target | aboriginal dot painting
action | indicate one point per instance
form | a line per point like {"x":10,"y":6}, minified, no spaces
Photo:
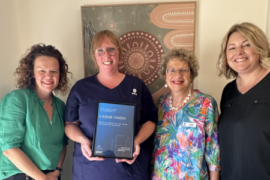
{"x":146,"y":32}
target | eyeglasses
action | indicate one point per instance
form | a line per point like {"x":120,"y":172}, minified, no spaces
{"x":111,"y":50}
{"x":182,"y":71}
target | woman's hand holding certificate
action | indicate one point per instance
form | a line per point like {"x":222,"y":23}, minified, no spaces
{"x":86,"y":145}
{"x":136,"y":153}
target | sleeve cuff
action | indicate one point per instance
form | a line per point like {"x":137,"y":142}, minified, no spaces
{"x":214,"y":168}
{"x":9,"y":146}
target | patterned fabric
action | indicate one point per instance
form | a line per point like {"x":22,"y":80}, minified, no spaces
{"x":186,"y":141}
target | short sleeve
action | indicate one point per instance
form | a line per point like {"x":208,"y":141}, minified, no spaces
{"x":72,"y":106}
{"x":12,"y":121}
{"x":149,"y":110}
{"x":212,"y":155}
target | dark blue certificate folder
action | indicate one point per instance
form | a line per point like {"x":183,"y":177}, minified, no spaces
{"x":114,"y":132}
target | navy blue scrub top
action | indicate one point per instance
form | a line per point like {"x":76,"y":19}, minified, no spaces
{"x":82,"y":105}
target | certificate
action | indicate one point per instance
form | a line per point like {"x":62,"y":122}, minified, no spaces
{"x":114,"y":130}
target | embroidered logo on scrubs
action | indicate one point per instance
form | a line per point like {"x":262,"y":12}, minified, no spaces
{"x":134,"y":92}
{"x":186,"y":124}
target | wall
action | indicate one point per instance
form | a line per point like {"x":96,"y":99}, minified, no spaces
{"x":268,"y":22}
{"x":24,"y":23}
{"x":9,"y":46}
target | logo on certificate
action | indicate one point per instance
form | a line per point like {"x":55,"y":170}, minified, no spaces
{"x":99,"y":149}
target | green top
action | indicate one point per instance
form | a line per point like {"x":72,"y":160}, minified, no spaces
{"x":24,"y":123}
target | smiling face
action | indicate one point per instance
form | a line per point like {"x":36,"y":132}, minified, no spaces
{"x":107,"y":63}
{"x":46,"y":73}
{"x":240,"y":55}
{"x":178,"y":82}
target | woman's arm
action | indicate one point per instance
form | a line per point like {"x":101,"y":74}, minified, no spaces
{"x":145,"y":132}
{"x":74,"y":132}
{"x":212,"y":144}
{"x":23,"y":163}
{"x":62,"y":157}
{"x":214,"y":175}
{"x":12,"y":119}
{"x":60,"y":163}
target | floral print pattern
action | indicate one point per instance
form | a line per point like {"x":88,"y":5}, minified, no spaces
{"x":186,"y":142}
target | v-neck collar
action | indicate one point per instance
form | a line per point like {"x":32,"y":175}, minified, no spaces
{"x":116,"y":87}
{"x":34,"y":94}
{"x":254,"y":87}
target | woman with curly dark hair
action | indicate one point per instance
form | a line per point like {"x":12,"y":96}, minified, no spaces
{"x":32,"y":139}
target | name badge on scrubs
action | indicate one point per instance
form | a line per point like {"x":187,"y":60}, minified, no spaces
{"x":187,"y":124}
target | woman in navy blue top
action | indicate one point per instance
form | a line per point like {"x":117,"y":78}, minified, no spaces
{"x":109,"y":85}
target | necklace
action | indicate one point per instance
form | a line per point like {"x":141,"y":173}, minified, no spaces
{"x":184,"y":102}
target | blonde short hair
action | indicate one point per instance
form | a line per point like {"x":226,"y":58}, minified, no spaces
{"x":98,"y":38}
{"x":258,"y":42}
{"x":183,"y":55}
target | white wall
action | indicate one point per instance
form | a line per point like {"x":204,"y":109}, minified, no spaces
{"x":24,"y":23}
{"x":268,"y":21}
{"x":9,"y":46}
{"x":215,"y":17}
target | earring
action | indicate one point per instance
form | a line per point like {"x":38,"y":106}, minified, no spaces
{"x":166,"y":85}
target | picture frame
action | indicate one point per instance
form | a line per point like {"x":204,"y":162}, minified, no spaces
{"x":114,"y":130}
{"x":146,"y":31}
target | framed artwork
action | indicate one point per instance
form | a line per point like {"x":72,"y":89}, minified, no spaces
{"x":146,"y":32}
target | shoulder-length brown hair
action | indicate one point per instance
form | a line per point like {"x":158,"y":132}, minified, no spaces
{"x":25,"y":70}
{"x":258,"y":42}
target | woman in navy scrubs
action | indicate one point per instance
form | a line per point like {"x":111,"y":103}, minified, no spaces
{"x":109,"y":85}
{"x":244,"y":124}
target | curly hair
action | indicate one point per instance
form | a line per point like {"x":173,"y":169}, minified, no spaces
{"x":25,"y":70}
{"x":183,"y":55}
{"x":258,"y":42}
{"x":98,"y":38}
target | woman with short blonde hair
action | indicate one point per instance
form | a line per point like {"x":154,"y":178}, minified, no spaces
{"x":244,"y":121}
{"x":81,"y":111}
{"x":258,"y":41}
